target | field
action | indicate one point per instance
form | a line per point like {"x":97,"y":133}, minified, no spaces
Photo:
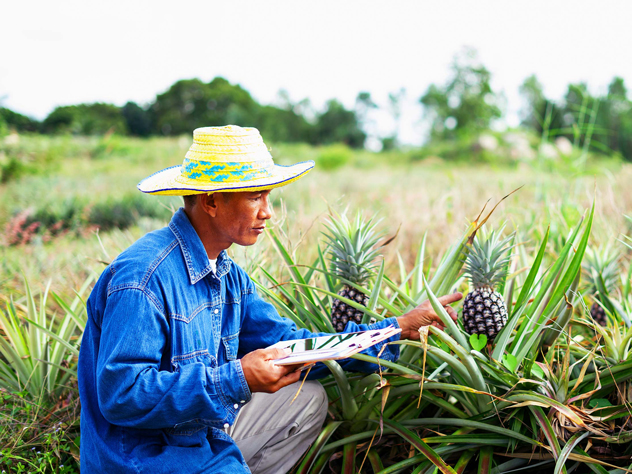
{"x":69,"y":205}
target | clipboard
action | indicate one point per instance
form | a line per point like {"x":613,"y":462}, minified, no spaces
{"x":331,"y":347}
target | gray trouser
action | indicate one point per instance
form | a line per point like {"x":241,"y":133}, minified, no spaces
{"x":272,"y":434}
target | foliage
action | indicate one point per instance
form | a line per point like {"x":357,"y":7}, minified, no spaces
{"x":39,"y":350}
{"x":598,"y":123}
{"x":333,"y":157}
{"x":137,"y":120}
{"x":18,"y":122}
{"x":191,"y":102}
{"x":338,"y":125}
{"x":37,"y":438}
{"x":536,"y":389}
{"x":85,"y":119}
{"x":124,"y":211}
{"x":39,"y":420}
{"x":466,"y":104}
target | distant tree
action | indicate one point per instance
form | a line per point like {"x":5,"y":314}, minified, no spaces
{"x":539,"y":113}
{"x":338,"y":125}
{"x":85,"y":119}
{"x":18,"y":122}
{"x":466,"y":104}
{"x":137,"y":120}
{"x":395,"y":102}
{"x":191,"y":103}
{"x":283,"y":123}
{"x":618,"y":108}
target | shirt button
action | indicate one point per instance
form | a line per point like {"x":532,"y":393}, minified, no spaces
{"x":216,"y":311}
{"x":226,"y":426}
{"x":243,"y":401}
{"x":236,"y":406}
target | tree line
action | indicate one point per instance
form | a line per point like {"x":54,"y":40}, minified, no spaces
{"x":465,"y":106}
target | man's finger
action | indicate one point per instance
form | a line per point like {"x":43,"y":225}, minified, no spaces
{"x":452,"y":312}
{"x":273,"y":354}
{"x":448,"y":299}
{"x":290,"y":378}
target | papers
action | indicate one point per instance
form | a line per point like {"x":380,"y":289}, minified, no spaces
{"x":331,"y":347}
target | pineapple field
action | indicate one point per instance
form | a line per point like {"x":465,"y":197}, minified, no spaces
{"x":535,"y":374}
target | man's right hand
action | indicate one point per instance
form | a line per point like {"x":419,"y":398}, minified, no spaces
{"x":263,"y":375}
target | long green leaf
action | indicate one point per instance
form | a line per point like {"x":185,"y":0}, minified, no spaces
{"x":503,"y":338}
{"x":568,"y":449}
{"x":426,"y":450}
{"x":316,"y":448}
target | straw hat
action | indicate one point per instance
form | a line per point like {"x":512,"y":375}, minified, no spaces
{"x":228,"y":158}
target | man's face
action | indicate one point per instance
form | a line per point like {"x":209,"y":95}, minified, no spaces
{"x":241,"y":217}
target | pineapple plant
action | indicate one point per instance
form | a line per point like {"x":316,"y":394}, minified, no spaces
{"x":351,"y":253}
{"x":601,"y":267}
{"x":484,"y":310}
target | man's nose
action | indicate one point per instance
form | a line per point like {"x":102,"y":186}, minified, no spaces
{"x":266,"y":209}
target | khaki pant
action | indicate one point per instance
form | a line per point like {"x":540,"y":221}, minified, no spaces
{"x":273,"y":434}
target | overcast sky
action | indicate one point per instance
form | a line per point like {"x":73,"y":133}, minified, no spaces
{"x":67,"y":52}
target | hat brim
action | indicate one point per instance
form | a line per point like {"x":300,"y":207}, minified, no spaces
{"x":166,"y":182}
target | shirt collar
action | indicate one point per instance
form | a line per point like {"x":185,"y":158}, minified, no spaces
{"x":195,"y":257}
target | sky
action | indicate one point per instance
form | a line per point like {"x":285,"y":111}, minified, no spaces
{"x":69,"y":52}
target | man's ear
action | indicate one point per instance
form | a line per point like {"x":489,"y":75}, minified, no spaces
{"x":208,"y":203}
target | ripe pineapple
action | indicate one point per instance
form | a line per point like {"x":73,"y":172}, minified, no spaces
{"x":602,"y":264}
{"x":352,"y":250}
{"x":484,"y":310}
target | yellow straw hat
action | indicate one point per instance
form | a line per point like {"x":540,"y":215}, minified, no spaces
{"x":228,"y":158}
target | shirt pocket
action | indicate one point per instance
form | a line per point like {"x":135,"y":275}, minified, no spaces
{"x":195,"y":335}
{"x":231,"y":346}
{"x":202,"y":356}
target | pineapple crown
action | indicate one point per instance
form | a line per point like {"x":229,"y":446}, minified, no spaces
{"x":487,"y":261}
{"x":601,"y":264}
{"x":352,"y":246}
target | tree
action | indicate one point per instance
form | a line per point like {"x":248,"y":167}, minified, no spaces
{"x":85,"y":119}
{"x":466,"y":104}
{"x":18,"y":122}
{"x":338,"y":125}
{"x":539,"y":113}
{"x":137,"y":120}
{"x":191,"y":103}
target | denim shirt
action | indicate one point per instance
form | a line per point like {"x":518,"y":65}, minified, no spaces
{"x":160,"y":377}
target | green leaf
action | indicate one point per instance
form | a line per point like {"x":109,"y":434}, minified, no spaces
{"x":485,"y":460}
{"x":510,"y":361}
{"x":316,"y":448}
{"x":478,"y":341}
{"x":416,"y":441}
{"x":568,"y":449}
{"x":599,"y":403}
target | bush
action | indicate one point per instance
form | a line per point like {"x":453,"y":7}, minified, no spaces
{"x":124,"y":211}
{"x":333,"y":157}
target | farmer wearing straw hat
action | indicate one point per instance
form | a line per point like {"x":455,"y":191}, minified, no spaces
{"x":173,"y":370}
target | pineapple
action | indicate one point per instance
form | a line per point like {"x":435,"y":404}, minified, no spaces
{"x":484,"y":311}
{"x":601,"y":265}
{"x":352,"y":250}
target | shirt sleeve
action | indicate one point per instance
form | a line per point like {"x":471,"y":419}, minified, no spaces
{"x":134,"y":392}
{"x":262,"y":326}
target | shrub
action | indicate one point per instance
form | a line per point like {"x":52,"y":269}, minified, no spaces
{"x":124,"y":211}
{"x":333,"y":157}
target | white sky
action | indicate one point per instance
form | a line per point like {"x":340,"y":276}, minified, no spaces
{"x":67,"y":52}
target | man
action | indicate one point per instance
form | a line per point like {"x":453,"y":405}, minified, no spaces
{"x":173,"y":371}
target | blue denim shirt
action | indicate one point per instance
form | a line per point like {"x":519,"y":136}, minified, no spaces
{"x":159,"y":372}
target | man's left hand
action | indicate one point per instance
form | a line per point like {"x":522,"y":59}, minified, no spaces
{"x":425,"y":315}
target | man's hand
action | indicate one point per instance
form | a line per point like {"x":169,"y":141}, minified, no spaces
{"x":424,"y":315}
{"x":263,"y":375}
